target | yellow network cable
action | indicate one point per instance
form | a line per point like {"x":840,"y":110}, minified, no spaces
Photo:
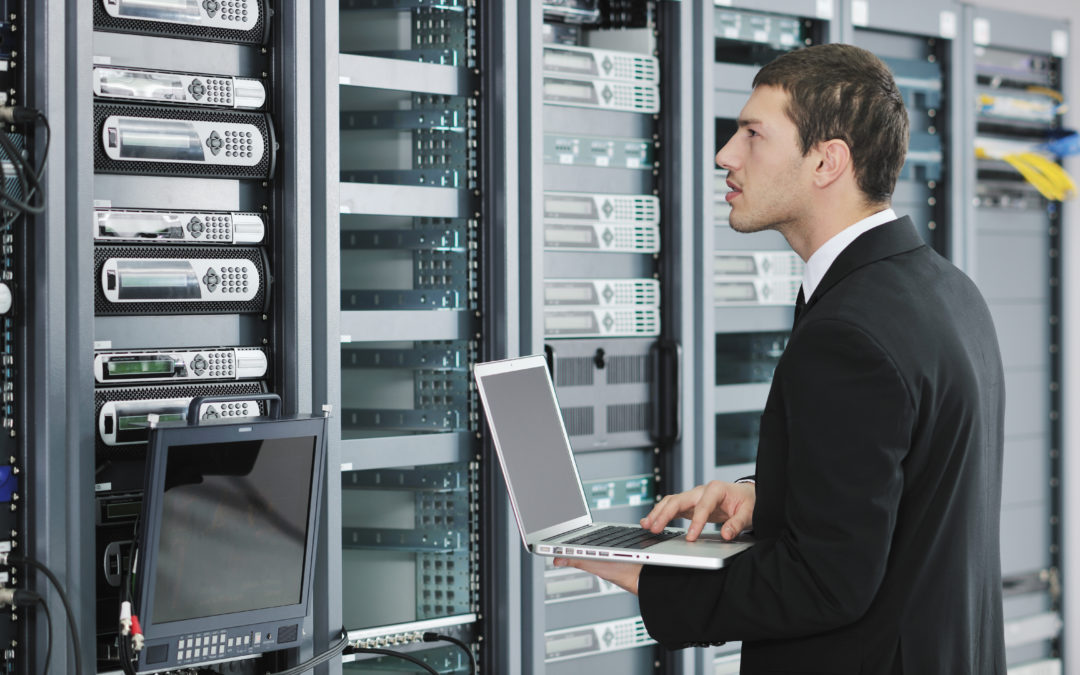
{"x":1055,"y":172}
{"x":1047,"y":91}
{"x":1048,"y":177}
{"x":1043,"y":184}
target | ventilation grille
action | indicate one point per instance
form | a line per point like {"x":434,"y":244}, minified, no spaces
{"x":628,"y":369}
{"x":575,"y":371}
{"x":579,"y":421}
{"x":627,"y":417}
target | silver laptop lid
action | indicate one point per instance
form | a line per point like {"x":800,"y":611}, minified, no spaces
{"x":533,"y":448}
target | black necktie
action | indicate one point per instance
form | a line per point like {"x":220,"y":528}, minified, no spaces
{"x":800,"y":305}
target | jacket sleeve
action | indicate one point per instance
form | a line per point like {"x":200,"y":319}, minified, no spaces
{"x":845,"y":420}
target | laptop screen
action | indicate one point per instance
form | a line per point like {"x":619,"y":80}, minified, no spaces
{"x":539,"y":466}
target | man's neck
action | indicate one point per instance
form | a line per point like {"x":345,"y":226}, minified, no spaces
{"x":824,"y":224}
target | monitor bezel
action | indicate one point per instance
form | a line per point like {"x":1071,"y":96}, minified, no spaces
{"x":167,"y":435}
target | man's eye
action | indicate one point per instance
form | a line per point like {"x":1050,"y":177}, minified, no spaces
{"x":751,"y":132}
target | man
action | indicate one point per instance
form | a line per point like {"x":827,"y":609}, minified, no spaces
{"x":878,"y":487}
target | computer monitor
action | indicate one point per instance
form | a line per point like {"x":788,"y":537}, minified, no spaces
{"x":227,"y":539}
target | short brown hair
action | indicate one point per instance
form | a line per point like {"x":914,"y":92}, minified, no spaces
{"x":845,"y":92}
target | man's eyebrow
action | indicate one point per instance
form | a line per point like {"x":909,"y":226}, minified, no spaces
{"x":745,"y":122}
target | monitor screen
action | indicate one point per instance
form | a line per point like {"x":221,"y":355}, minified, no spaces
{"x":227,"y":539}
{"x":538,"y":462}
{"x":233,"y":527}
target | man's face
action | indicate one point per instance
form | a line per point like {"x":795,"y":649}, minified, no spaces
{"x":767,"y":173}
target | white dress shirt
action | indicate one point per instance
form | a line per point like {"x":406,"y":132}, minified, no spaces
{"x":822,"y":259}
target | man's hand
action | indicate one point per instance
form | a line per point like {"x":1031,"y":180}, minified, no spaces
{"x":715,"y":502}
{"x":622,"y":574}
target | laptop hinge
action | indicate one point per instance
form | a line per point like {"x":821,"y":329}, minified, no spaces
{"x":563,"y":534}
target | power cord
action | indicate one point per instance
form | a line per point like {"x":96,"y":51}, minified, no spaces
{"x":19,"y":560}
{"x":436,"y":637}
{"x":20,"y":596}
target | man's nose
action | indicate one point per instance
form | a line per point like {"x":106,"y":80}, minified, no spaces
{"x":724,"y":157}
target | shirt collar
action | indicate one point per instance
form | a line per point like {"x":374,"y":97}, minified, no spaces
{"x":822,"y":259}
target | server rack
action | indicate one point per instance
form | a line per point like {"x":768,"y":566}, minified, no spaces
{"x":750,"y":281}
{"x":917,"y":46}
{"x":400,"y":314}
{"x":94,"y":72}
{"x":606,"y":287}
{"x":1013,"y":88}
{"x":17,"y":244}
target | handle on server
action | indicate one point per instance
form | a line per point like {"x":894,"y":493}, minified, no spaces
{"x":273,"y":404}
{"x":665,"y":359}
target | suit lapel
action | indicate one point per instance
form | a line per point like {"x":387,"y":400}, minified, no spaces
{"x":884,"y":241}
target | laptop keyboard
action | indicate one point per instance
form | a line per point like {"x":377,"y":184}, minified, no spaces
{"x":616,"y":536}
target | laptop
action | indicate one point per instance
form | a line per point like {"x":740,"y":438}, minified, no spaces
{"x":545,"y":490}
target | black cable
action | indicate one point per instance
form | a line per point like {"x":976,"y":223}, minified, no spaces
{"x":18,"y":164}
{"x":388,"y":652}
{"x":20,"y":597}
{"x":336,"y":650}
{"x":48,"y":635}
{"x":29,"y":181}
{"x":63,"y":598}
{"x":29,"y":178}
{"x":435,"y":637}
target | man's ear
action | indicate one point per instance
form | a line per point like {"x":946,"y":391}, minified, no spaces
{"x":833,"y":161}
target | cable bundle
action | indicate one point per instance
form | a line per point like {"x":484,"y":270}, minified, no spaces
{"x":1048,"y":177}
{"x":28,"y":178}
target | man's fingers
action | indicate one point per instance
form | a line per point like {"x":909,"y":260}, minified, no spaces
{"x":732,"y":528}
{"x":739,"y":521}
{"x":702,"y":512}
{"x":661,"y":514}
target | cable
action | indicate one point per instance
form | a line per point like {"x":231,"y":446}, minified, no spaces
{"x":336,"y":650}
{"x":1054,"y":171}
{"x":63,"y":598}
{"x":48,"y":636}
{"x":29,"y":178}
{"x":21,"y":596}
{"x":124,"y":641}
{"x":435,"y":637}
{"x":1048,"y":177}
{"x":400,"y":655}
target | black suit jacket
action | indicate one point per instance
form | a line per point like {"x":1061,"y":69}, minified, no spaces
{"x":878,"y":485}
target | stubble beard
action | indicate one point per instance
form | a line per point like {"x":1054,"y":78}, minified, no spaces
{"x":748,"y":225}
